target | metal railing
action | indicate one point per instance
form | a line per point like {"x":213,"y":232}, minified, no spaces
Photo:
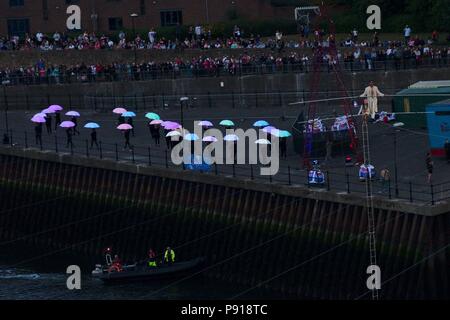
{"x":160,"y":156}
{"x":127,"y":73}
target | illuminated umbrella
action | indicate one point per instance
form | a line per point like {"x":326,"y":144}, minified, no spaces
{"x":119,"y":110}
{"x":260,"y":124}
{"x":173,"y":134}
{"x":92,"y":125}
{"x":269,"y":129}
{"x":67,"y":124}
{"x":191,"y":137}
{"x":209,"y":139}
{"x":262,"y":141}
{"x":231,"y":137}
{"x":152,"y":116}
{"x":55,"y":107}
{"x":38,"y":119}
{"x":47,"y":111}
{"x":227,"y":123}
{"x":124,"y":126}
{"x":205,"y":124}
{"x":283,"y":134}
{"x":72,"y":114}
{"x":41,"y":114}
{"x":153,"y":122}
{"x":128,"y":114}
{"x":170,"y":125}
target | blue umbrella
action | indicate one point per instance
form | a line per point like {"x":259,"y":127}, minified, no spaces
{"x":283,"y":134}
{"x":191,"y":137}
{"x":92,"y":125}
{"x":261,"y":123}
{"x":128,"y":114}
{"x":227,"y":123}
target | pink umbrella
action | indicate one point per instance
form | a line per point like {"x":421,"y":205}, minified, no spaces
{"x":125,"y":126}
{"x":170,"y":125}
{"x":205,"y":124}
{"x":156,"y":122}
{"x":209,"y":139}
{"x":55,"y":107}
{"x":67,"y":124}
{"x":119,"y":110}
{"x":38,"y":119}
{"x":72,"y":114}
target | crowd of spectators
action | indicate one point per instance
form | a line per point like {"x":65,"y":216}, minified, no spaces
{"x":357,"y":54}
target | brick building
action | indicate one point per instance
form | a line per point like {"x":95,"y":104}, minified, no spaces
{"x":22,"y":16}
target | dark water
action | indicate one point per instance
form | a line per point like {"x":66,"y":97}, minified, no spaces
{"x":23,"y":276}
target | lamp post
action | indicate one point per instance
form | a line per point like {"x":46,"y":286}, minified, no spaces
{"x":134,"y":16}
{"x":6,"y":110}
{"x":395,"y":126}
{"x":182,"y":99}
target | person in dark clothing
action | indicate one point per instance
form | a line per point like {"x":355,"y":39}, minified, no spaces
{"x":120,"y":120}
{"x":156,"y":136}
{"x":75,"y":130}
{"x":94,"y":139}
{"x":69,"y":135}
{"x":130,"y":122}
{"x":447,"y":150}
{"x":48,"y":123}
{"x":5,"y":138}
{"x":38,"y":133}
{"x":127,"y":139}
{"x":283,"y":147}
{"x":57,"y":119}
{"x":430,"y":164}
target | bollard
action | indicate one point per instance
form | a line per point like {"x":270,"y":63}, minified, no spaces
{"x":10,"y":137}
{"x":215,"y":168}
{"x":132,"y":154}
{"x":101,"y":150}
{"x":117,"y":153}
{"x":289,"y":175}
{"x":234,"y":171}
{"x":348,"y":183}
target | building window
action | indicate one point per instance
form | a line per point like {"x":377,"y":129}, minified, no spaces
{"x":142,"y":7}
{"x":18,"y":27}
{"x":16,"y":3}
{"x":115,"y":24}
{"x":171,"y":18}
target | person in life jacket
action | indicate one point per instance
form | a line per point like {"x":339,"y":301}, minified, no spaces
{"x":169,"y":256}
{"x":151,"y":258}
{"x":116,"y":265}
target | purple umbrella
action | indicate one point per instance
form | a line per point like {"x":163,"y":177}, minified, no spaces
{"x":205,"y":124}
{"x":170,"y":125}
{"x":156,"y":122}
{"x":38,"y":119}
{"x":209,"y":139}
{"x":269,"y":129}
{"x":41,"y":114}
{"x":67,"y":124}
{"x":47,"y":111}
{"x":55,"y":107}
{"x":125,"y":126}
{"x":72,"y":114}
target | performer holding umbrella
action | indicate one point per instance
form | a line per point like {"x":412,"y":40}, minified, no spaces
{"x":93,"y":126}
{"x":126,"y":128}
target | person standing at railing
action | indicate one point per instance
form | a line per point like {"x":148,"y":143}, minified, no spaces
{"x":48,"y":124}
{"x":57,"y":119}
{"x":38,"y":133}
{"x":126,"y":134}
{"x":75,"y":130}
{"x":94,"y":139}
{"x":69,"y":135}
